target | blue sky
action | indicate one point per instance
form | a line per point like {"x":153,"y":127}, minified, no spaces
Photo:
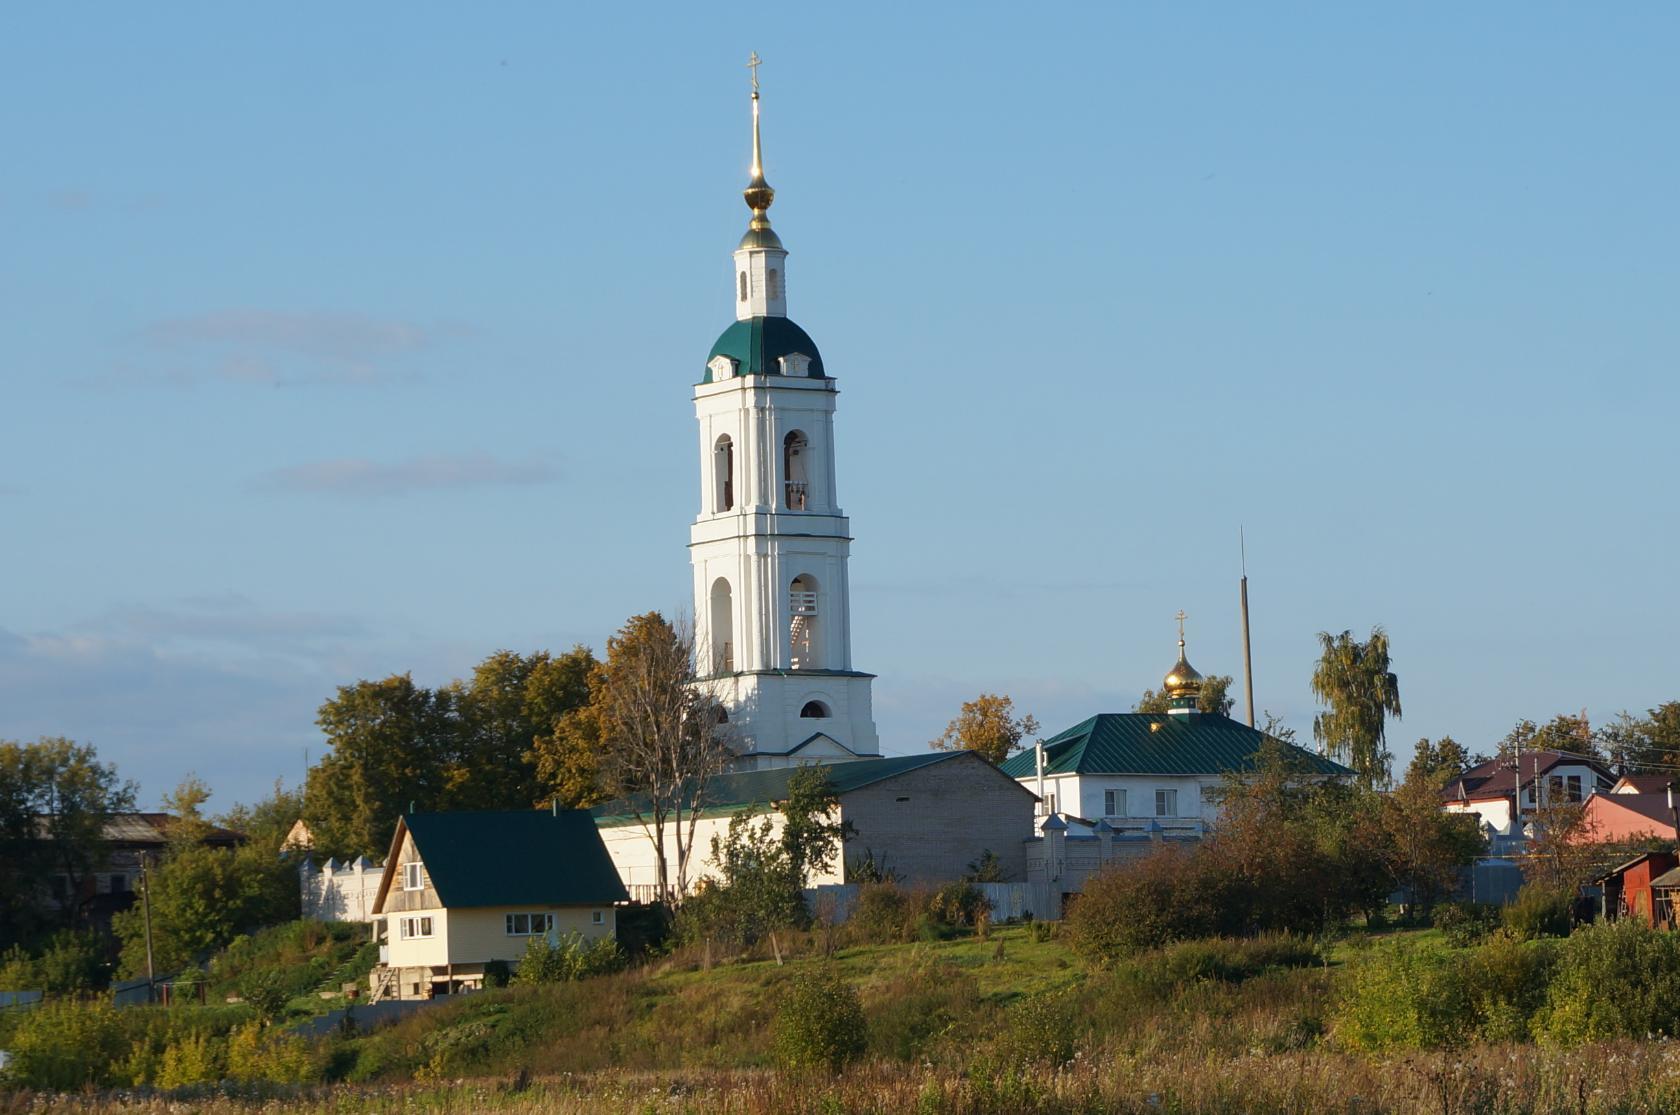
{"x":338,"y":341}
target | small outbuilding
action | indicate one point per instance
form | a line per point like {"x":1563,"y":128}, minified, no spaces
{"x":463,"y":890}
{"x":1628,"y":887}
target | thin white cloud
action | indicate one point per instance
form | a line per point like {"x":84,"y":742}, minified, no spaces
{"x":358,"y":476}
{"x":277,"y":348}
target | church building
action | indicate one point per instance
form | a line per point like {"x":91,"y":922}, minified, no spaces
{"x":769,"y":548}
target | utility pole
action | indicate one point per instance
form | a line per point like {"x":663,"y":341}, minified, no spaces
{"x":146,"y":909}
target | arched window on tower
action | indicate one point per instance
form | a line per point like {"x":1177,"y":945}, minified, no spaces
{"x":722,"y":622}
{"x":723,"y":466}
{"x":814,"y":710}
{"x":773,"y":284}
{"x":804,"y":630}
{"x":743,"y":286}
{"x":795,"y":452}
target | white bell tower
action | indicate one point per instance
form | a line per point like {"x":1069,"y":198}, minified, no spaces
{"x":769,"y":548}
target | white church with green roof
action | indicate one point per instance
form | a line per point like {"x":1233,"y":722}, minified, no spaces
{"x":769,"y":548}
{"x":1124,"y":775}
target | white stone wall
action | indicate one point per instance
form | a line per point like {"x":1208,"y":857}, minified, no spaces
{"x":339,"y":892}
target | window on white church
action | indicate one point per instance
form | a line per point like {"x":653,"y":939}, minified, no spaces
{"x":1166,"y":803}
{"x":743,"y":286}
{"x":795,"y":449}
{"x":805,"y":644}
{"x":814,"y":710}
{"x":529,"y":925}
{"x":411,"y":876}
{"x":1114,"y":803}
{"x":724,"y":466}
{"x":773,"y":283}
{"x":723,"y":627}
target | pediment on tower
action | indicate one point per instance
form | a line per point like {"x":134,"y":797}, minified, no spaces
{"x":721,"y":367}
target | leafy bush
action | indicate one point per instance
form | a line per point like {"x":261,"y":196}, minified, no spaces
{"x":1403,"y":997}
{"x":1540,"y":911}
{"x":1044,"y":1028}
{"x":497,"y":973}
{"x":821,"y":1023}
{"x":1230,"y":960}
{"x":257,"y":1053}
{"x":572,"y":957}
{"x":195,"y":1058}
{"x":1507,"y":980}
{"x":266,"y":995}
{"x":882,"y":915}
{"x":1131,"y":907}
{"x":1615,"y":980}
{"x":957,"y":905}
{"x":66,"y":1045}
{"x":1466,"y":923}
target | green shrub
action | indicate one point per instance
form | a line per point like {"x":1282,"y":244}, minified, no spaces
{"x":195,"y":1058}
{"x":65,"y":1045}
{"x":1127,"y":908}
{"x":1540,"y":911}
{"x":257,"y":1053}
{"x":1403,"y":997}
{"x":1506,"y":979}
{"x":1229,"y":960}
{"x":1615,"y":980}
{"x":1044,"y":1028}
{"x":1466,"y":923}
{"x":497,"y":973}
{"x":882,"y":915}
{"x":266,"y":995}
{"x":957,"y":905}
{"x":571,"y":957}
{"x":820,"y":1024}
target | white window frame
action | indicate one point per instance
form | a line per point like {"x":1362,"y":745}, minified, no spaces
{"x":413,"y":876}
{"x":525,"y":924}
{"x":1166,"y":802}
{"x":597,"y":917}
{"x":1114,"y":802}
{"x":415,"y":928}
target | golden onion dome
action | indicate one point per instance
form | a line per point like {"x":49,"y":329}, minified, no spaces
{"x":1182,"y":680}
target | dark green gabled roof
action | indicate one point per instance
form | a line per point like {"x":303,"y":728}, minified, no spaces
{"x":763,"y":787}
{"x":520,"y":857}
{"x":1157,"y":743}
{"x":759,"y":342}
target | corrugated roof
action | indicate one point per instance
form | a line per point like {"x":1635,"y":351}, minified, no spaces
{"x":516,"y":857}
{"x":1497,"y":778}
{"x":763,"y":787}
{"x":1156,"y":743}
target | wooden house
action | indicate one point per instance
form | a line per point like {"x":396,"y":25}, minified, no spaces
{"x":463,"y":890}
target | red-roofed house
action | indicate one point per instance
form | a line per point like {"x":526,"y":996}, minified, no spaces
{"x":1641,"y":784}
{"x":1616,"y":818}
{"x":1490,"y":789}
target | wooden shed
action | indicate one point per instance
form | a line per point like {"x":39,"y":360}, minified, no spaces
{"x":1628,"y":886}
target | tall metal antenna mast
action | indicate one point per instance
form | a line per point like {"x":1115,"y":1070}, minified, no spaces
{"x":1248,"y":655}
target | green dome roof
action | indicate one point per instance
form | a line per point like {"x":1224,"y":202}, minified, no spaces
{"x":759,"y":342}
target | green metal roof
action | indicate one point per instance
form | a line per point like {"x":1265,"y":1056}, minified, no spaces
{"x":763,"y":787}
{"x":759,"y":342}
{"x":1156,"y":743}
{"x":520,"y":857}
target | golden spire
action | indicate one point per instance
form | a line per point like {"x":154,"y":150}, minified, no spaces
{"x":758,"y":193}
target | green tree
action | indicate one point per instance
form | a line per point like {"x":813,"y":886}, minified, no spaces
{"x":987,"y":726}
{"x":811,"y":835}
{"x":1651,"y":743}
{"x":510,"y":706}
{"x":55,"y":797}
{"x":1214,"y":698}
{"x":1442,"y":760}
{"x":1356,"y":683}
{"x":201,"y":898}
{"x":1426,"y":847}
{"x":661,"y":737}
{"x":392,"y":744}
{"x":1562,"y":733}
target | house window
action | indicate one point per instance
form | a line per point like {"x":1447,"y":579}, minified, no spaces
{"x":1114,"y":803}
{"x":1050,"y":804}
{"x":598,"y":917}
{"x":529,"y":925}
{"x":119,"y":884}
{"x":413,"y":928}
{"x":1166,"y":803}
{"x":411,"y":876}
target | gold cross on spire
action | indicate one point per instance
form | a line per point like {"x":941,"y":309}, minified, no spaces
{"x":1181,"y":618}
{"x":753,"y":64}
